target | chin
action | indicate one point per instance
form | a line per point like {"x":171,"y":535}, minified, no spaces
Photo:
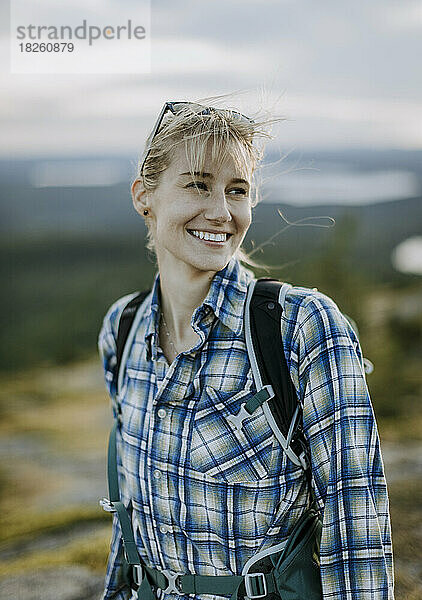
{"x":210,"y":263}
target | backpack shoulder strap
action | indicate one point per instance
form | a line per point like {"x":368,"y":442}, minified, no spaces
{"x":125,"y":325}
{"x":114,"y":504}
{"x":263,"y":310}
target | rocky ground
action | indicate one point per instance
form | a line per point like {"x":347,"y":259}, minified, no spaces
{"x":65,"y":583}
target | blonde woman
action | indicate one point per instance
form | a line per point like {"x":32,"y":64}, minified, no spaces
{"x":201,"y":502}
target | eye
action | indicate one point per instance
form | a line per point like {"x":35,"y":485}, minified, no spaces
{"x":239,"y":191}
{"x":200,"y":185}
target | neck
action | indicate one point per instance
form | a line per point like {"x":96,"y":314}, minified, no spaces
{"x":182,"y":290}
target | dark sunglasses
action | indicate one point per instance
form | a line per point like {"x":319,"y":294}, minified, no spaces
{"x":176,"y":107}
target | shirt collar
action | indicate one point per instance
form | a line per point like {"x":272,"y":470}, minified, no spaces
{"x":227,"y":294}
{"x":226,"y":298}
{"x":153,"y":318}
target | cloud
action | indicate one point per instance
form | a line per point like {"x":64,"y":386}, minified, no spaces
{"x":403,"y":17}
{"x":340,"y":72}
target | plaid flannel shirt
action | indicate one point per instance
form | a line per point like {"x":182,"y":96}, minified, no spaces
{"x":205,"y":497}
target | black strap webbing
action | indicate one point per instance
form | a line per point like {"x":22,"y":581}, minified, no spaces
{"x":265,"y":320}
{"x":125,"y":323}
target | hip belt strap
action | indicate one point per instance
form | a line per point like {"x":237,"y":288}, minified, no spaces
{"x":253,"y":585}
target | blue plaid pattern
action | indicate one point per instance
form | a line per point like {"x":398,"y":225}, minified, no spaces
{"x":205,"y":497}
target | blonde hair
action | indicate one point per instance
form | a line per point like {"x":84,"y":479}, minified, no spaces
{"x":226,"y":130}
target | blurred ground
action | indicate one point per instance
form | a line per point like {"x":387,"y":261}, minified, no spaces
{"x":53,"y":436}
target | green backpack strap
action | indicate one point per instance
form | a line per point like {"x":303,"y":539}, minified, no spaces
{"x":129,"y":543}
{"x":129,"y":320}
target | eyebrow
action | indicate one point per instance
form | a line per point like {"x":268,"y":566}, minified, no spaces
{"x":211,"y":176}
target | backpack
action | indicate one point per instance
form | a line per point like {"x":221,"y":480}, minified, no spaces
{"x":278,"y":398}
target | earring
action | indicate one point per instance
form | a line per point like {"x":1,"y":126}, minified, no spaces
{"x":145,"y":211}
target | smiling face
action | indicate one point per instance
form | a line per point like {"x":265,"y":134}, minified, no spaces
{"x":197,"y":223}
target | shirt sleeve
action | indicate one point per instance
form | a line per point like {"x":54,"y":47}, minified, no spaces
{"x":356,"y":550}
{"x":115,"y":587}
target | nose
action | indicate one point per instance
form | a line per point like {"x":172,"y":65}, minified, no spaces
{"x":217,"y":208}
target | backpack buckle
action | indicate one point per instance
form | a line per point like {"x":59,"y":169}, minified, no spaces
{"x":263,"y":395}
{"x":237,"y":420}
{"x":172,"y":586}
{"x":107,"y":505}
{"x":259,"y":584}
{"x":138,"y":574}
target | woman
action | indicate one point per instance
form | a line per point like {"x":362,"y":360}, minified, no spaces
{"x":197,"y":505}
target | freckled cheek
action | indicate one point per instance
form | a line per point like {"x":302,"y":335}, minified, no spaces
{"x":182,"y":214}
{"x":245,"y":221}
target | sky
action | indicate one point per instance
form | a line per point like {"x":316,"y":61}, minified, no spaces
{"x":343,"y":74}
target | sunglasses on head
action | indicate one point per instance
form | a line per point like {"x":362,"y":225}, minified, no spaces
{"x":175,"y":108}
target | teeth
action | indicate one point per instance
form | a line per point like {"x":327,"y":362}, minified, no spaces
{"x":212,"y":237}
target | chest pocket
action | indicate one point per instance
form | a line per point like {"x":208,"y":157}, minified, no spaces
{"x":224,"y":451}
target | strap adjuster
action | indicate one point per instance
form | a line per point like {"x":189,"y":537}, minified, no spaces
{"x":138,"y":574}
{"x":107,"y":505}
{"x":259,"y":583}
{"x":172,"y":585}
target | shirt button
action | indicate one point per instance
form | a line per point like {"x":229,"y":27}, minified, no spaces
{"x":157,"y":474}
{"x":162,"y":413}
{"x":164,"y":529}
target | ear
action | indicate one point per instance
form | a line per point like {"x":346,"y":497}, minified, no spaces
{"x":140,"y":197}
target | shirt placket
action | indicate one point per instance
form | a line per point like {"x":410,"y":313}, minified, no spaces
{"x":159,"y":451}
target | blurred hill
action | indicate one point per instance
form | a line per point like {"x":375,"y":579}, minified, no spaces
{"x":85,"y":194}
